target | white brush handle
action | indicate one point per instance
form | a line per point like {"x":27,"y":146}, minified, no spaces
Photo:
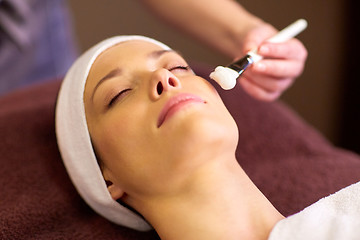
{"x":286,"y":34}
{"x":289,"y":32}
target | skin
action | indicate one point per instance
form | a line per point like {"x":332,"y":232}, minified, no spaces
{"x":185,"y":192}
{"x":234,"y":31}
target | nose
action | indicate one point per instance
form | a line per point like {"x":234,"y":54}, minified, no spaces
{"x":163,"y":80}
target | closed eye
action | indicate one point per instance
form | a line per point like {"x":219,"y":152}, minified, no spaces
{"x":118,"y":96}
{"x":186,"y":68}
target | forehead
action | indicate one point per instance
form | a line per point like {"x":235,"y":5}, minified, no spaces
{"x":123,"y":55}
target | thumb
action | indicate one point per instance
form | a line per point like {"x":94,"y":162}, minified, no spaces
{"x":257,"y":36}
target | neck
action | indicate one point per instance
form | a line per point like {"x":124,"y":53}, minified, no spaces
{"x":220,"y":202}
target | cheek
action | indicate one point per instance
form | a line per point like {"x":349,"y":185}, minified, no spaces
{"x":123,"y":142}
{"x":115,"y":150}
{"x":115,"y":137}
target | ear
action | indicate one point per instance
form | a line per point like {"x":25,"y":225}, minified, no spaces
{"x":115,"y":191}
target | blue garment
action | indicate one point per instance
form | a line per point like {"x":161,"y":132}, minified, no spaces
{"x":36,"y":42}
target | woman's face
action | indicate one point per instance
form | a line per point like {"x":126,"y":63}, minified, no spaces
{"x":151,"y":120}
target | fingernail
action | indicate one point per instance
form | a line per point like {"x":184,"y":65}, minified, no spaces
{"x":264,"y":50}
{"x":260,"y":67}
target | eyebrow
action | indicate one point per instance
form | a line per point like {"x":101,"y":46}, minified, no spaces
{"x":158,"y":53}
{"x":117,"y":71}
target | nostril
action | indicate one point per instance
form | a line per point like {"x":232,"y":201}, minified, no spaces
{"x":159,"y":88}
{"x":172,"y":82}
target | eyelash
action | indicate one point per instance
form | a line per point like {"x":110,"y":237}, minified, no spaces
{"x":180,"y":67}
{"x":113,"y":100}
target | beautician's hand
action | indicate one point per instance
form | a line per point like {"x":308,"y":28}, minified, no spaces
{"x":229,"y":28}
{"x":283,"y":62}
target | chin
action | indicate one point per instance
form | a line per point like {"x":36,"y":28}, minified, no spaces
{"x":203,"y":134}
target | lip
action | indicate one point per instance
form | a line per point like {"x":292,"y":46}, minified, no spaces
{"x":175,"y":104}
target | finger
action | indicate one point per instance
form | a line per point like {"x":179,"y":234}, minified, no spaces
{"x":257,"y":92}
{"x":278,"y":68}
{"x":291,"y":49}
{"x":257,"y":36}
{"x":270,"y":84}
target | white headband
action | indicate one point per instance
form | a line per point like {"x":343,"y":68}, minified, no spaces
{"x":74,"y":140}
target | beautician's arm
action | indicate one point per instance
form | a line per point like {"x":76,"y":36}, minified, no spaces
{"x":226,"y":26}
{"x":221,"y":24}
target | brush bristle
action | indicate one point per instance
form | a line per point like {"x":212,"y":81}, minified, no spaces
{"x":225,"y":77}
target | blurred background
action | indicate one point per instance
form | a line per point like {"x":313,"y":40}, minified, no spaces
{"x":326,"y":95}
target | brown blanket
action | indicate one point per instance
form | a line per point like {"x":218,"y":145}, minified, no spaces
{"x":291,"y":163}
